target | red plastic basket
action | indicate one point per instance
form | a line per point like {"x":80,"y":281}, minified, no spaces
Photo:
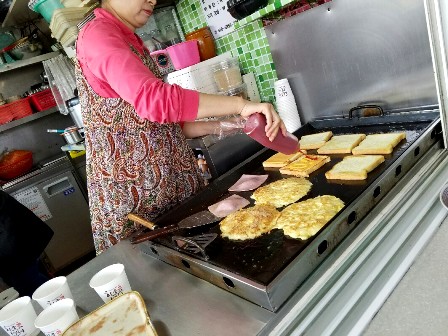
{"x":43,"y":100}
{"x":17,"y":109}
{"x":5,"y":115}
{"x":15,"y":163}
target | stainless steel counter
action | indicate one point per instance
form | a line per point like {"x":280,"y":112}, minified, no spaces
{"x":340,"y":298}
{"x":178,"y":303}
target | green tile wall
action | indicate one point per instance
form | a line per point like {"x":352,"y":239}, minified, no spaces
{"x":249,"y":43}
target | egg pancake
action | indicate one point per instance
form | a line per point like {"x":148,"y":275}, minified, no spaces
{"x":304,"y":219}
{"x":280,"y":160}
{"x":305,"y":165}
{"x":282,"y":192}
{"x":249,"y":223}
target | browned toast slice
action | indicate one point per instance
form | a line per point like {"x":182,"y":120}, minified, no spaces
{"x":305,"y":165}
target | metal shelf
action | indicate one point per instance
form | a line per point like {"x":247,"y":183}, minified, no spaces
{"x":29,"y":61}
{"x":19,"y":13}
{"x":27,"y":119}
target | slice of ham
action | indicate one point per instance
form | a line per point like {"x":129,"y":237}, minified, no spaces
{"x":228,"y":205}
{"x":248,"y":182}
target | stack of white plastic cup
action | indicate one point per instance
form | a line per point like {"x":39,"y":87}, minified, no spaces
{"x":18,"y":316}
{"x":56,"y":298}
{"x":57,"y":317}
{"x":52,"y":291}
{"x":286,"y":105}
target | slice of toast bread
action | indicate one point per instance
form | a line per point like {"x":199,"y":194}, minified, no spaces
{"x":379,"y":143}
{"x":314,"y":141}
{"x":354,"y":167}
{"x":341,"y":144}
{"x":305,"y":165}
{"x":280,"y":159}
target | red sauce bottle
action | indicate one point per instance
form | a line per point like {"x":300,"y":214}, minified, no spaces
{"x":255,"y":128}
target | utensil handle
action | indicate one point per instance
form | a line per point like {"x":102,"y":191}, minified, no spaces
{"x":142,"y":221}
{"x":154,"y":234}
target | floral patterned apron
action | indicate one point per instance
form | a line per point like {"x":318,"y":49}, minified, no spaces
{"x":133,"y":165}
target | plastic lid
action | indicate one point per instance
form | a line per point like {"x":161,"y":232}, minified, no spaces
{"x":226,"y":64}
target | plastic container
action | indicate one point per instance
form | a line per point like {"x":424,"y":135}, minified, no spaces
{"x":255,"y":128}
{"x":206,"y":41}
{"x":15,"y":163}
{"x":65,"y":18}
{"x":43,"y":100}
{"x":240,"y":91}
{"x":184,"y":54}
{"x":5,"y":115}
{"x":47,"y":7}
{"x":227,"y":74}
{"x":17,"y":109}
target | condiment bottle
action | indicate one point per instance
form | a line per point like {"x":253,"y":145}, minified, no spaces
{"x":255,"y":128}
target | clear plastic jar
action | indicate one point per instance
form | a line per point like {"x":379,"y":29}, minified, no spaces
{"x":227,"y":74}
{"x":240,"y":90}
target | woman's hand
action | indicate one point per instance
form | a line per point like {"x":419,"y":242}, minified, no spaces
{"x":273,"y":121}
{"x":219,"y":106}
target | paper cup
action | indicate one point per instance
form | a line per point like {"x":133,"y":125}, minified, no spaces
{"x":55,"y":319}
{"x":17,"y":317}
{"x":52,"y":291}
{"x":110,"y":282}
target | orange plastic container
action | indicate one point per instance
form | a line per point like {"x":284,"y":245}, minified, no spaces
{"x":206,"y":42}
{"x":15,"y":163}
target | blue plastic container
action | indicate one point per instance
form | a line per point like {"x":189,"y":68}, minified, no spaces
{"x":47,"y":7}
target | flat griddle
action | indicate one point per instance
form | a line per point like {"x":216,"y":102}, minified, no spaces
{"x":260,"y":260}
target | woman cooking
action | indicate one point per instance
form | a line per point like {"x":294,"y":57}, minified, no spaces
{"x":137,"y":157}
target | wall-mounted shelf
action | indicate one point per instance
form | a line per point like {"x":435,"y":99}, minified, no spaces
{"x":18,"y":14}
{"x":27,"y":119}
{"x":29,"y":61}
{"x":276,"y":5}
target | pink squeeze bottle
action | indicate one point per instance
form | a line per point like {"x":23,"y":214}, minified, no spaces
{"x":255,"y":128}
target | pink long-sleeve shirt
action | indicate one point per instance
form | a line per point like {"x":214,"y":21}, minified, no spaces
{"x":114,"y":71}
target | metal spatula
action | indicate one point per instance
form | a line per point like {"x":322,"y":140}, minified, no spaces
{"x":194,"y":244}
{"x":198,"y":219}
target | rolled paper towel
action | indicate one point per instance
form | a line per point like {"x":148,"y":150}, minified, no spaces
{"x":286,"y":105}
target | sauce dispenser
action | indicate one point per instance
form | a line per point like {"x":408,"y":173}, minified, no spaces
{"x":255,"y":128}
